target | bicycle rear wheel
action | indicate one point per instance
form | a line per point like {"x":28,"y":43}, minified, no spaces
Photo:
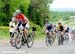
{"x":12,"y":39}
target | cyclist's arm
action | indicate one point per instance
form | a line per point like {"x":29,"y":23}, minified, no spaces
{"x":27,"y":20}
{"x":10,"y":25}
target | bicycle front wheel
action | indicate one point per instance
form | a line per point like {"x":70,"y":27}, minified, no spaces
{"x":30,"y":40}
{"x":18,"y":41}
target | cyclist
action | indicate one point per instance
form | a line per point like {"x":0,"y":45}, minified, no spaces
{"x":67,"y":29}
{"x":21,"y":19}
{"x":49,"y":29}
{"x":33,"y":30}
{"x":12,"y":27}
{"x":12,"y":30}
{"x":60,"y":28}
{"x":22,"y":23}
{"x":66,"y":34}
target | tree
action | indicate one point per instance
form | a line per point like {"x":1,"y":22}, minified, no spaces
{"x":8,"y":7}
{"x":39,"y":10}
{"x":35,"y":10}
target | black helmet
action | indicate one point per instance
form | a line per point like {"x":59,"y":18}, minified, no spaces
{"x":59,"y":23}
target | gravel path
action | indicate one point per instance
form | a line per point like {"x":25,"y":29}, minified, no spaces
{"x":39,"y":47}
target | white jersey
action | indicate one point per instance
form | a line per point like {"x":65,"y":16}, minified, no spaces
{"x":11,"y":29}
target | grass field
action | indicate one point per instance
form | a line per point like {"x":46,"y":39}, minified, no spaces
{"x":4,"y":34}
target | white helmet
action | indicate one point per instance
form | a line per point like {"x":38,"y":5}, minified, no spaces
{"x":18,"y":12}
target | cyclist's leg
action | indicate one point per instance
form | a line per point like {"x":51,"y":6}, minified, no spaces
{"x":62,"y":34}
{"x":62,"y":37}
{"x":54,"y":36}
{"x":50,"y":33}
{"x":10,"y":34}
{"x":19,"y":25}
{"x":26,"y":32}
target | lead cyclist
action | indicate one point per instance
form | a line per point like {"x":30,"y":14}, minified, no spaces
{"x":21,"y":21}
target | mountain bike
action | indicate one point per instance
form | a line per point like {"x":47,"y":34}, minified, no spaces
{"x":21,"y":39}
{"x":49,"y":39}
{"x":66,"y":37}
{"x":60,"y":38}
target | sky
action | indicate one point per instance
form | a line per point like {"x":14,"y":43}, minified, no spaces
{"x":63,"y":5}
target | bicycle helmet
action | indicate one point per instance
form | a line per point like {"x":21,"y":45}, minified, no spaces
{"x":17,"y":12}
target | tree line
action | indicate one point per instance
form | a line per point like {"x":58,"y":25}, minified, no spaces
{"x":58,"y":15}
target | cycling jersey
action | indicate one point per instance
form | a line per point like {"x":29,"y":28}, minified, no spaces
{"x":49,"y":26}
{"x":21,"y":17}
{"x":60,"y":28}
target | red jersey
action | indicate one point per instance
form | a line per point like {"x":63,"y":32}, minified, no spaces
{"x":21,"y":17}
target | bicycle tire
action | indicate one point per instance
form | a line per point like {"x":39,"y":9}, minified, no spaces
{"x":30,"y":36}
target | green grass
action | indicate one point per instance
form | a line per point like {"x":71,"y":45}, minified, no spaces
{"x":4,"y":34}
{"x":39,"y":35}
